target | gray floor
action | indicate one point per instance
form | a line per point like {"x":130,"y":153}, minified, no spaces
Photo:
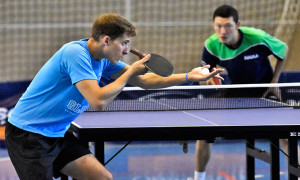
{"x":166,"y":161}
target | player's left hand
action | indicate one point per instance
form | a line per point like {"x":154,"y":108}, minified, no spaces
{"x":197,"y":74}
{"x":275,"y":91}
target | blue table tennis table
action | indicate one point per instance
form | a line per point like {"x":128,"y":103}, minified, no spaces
{"x":246,"y":123}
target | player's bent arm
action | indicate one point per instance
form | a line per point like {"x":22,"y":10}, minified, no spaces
{"x":153,"y":81}
{"x":99,"y":97}
{"x":279,"y":67}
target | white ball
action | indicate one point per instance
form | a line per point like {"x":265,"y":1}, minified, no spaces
{"x":205,"y":71}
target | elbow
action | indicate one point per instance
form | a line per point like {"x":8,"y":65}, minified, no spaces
{"x":286,"y":52}
{"x":144,"y":86}
{"x":141,"y":83}
{"x":99,"y":105}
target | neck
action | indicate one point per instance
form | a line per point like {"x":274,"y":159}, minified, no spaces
{"x":94,"y":47}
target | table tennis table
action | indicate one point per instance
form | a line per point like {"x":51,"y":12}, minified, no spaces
{"x":246,"y":123}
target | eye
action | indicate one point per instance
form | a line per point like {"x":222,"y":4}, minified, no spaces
{"x":228,"y":26}
{"x":218,"y":26}
{"x":125,"y":43}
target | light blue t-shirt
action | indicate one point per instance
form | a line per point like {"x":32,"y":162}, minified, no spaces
{"x":52,"y":101}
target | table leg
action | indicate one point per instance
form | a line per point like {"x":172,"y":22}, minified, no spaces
{"x":293,"y":169}
{"x":99,"y":151}
{"x":274,"y":164}
{"x":250,"y":160}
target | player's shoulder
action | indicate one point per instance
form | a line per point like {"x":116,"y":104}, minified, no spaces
{"x":253,"y":33}
{"x":75,"y":47}
{"x":254,"y":36}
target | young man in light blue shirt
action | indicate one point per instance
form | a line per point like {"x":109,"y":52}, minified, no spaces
{"x":37,"y":139}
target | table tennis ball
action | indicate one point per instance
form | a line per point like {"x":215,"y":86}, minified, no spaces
{"x":205,"y":71}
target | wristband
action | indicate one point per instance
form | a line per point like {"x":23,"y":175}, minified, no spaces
{"x":187,"y":81}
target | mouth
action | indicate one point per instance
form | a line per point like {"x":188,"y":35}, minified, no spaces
{"x":223,"y":38}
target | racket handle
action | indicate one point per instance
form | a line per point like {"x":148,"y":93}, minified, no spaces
{"x":137,"y":52}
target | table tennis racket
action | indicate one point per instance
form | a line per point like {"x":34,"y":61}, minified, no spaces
{"x":156,"y":64}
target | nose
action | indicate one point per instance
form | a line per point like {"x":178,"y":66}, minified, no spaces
{"x":223,"y":30}
{"x":126,"y":50}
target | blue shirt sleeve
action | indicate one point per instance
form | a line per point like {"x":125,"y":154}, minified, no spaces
{"x":76,"y":62}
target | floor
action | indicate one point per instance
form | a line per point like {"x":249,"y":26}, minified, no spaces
{"x":165,"y":160}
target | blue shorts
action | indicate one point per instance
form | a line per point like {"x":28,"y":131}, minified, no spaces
{"x":35,"y":156}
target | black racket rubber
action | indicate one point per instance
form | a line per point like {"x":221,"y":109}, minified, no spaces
{"x":159,"y":65}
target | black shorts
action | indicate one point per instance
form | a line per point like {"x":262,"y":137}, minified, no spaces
{"x":35,"y":156}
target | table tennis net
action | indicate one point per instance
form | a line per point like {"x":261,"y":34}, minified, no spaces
{"x":206,"y":97}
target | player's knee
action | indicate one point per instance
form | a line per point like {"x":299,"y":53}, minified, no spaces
{"x":110,"y":176}
{"x":106,"y":176}
{"x":100,"y":176}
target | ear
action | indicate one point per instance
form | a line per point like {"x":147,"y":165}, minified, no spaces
{"x":238,"y":24}
{"x":106,"y":40}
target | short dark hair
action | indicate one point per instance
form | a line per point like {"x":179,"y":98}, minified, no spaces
{"x":112,"y":25}
{"x":226,"y":11}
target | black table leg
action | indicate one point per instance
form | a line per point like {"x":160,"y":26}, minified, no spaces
{"x":275,"y":163}
{"x":250,"y":160}
{"x":293,"y":169}
{"x":99,"y":151}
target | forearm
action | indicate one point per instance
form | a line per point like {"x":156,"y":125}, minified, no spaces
{"x":98,"y":97}
{"x":277,"y":71}
{"x":110,"y":91}
{"x":279,"y":68}
{"x":113,"y":89}
{"x":153,"y":81}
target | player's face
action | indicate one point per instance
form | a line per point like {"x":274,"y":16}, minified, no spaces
{"x":118,"y":48}
{"x":226,"y":29}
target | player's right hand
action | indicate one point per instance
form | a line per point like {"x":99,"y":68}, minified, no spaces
{"x":138,"y":67}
